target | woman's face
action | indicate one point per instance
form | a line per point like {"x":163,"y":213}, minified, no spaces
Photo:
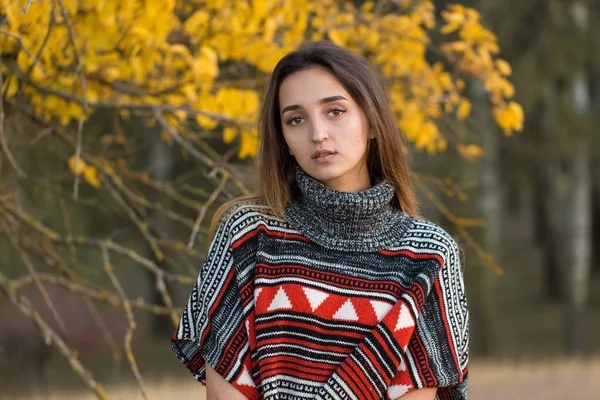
{"x":325,"y":130}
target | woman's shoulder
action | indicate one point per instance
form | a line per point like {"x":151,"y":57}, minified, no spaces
{"x":246,"y":211}
{"x":426,"y":234}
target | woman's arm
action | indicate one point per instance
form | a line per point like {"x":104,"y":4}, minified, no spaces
{"x":419,"y":394}
{"x":217,"y":388}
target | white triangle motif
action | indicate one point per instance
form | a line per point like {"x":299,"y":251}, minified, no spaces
{"x":396,"y":391}
{"x":280,"y":301}
{"x":381,"y":308}
{"x":315,"y":297}
{"x":256,"y":293}
{"x":402,"y":366}
{"x":404,"y":319}
{"x":245,"y":379}
{"x":346,"y":312}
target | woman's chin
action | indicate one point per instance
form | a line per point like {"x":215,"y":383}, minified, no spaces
{"x":325,"y":174}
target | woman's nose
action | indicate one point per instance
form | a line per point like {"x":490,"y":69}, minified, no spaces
{"x":319,"y":131}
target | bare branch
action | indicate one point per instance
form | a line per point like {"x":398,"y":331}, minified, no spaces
{"x":143,"y":107}
{"x":27,"y":6}
{"x":91,"y":294}
{"x":202,"y":212}
{"x":29,"y":265}
{"x":485,"y":256}
{"x":26,"y":309}
{"x":54,"y":236}
{"x":84,"y":103}
{"x":45,"y":41}
{"x":127,"y":306}
{"x":25,"y":49}
{"x":3,"y":143}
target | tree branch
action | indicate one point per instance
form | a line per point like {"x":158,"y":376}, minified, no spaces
{"x":27,"y":6}
{"x":84,"y":103}
{"x":25,"y":49}
{"x":3,"y":143}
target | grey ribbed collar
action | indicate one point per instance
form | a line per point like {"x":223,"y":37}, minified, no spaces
{"x":353,"y":221}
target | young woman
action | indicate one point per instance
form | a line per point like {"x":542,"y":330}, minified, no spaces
{"x":327,"y":285}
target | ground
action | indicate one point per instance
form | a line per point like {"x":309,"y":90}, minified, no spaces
{"x":549,"y":380}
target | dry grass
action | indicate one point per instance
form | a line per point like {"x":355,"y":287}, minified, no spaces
{"x":573,"y":380}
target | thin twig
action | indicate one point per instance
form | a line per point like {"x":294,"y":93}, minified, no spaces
{"x":79,"y":71}
{"x":144,"y":107}
{"x":87,"y":293}
{"x":483,"y":255}
{"x":3,"y":143}
{"x":108,"y":336}
{"x":31,"y":269}
{"x":182,"y":142}
{"x":45,"y":41}
{"x":132,"y":325}
{"x":197,"y":154}
{"x":202,"y":212}
{"x":57,"y":237}
{"x":137,"y":221}
{"x":27,"y":6}
{"x":26,"y":309}
{"x":19,"y":39}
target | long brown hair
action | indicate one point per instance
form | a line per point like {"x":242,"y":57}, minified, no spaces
{"x":385,"y":153}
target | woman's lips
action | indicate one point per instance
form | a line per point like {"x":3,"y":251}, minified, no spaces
{"x":324,"y":158}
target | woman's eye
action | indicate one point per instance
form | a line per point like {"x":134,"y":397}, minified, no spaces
{"x":336,"y":112}
{"x":294,"y":121}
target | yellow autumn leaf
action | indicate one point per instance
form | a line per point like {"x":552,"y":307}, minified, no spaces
{"x":10,"y":87}
{"x":454,"y":16}
{"x":464,"y":109}
{"x":367,"y":6}
{"x":91,"y":176}
{"x":248,"y":143}
{"x":77,"y":168}
{"x":449,"y":28}
{"x":504,"y":119}
{"x":269,"y":29}
{"x":338,"y":36}
{"x":519,"y":115}
{"x":470,"y":152}
{"x":457,"y":8}
{"x":509,"y":117}
{"x":503,"y":67}
{"x":372,"y":39}
{"x":206,"y":122}
{"x":229,"y":134}
{"x":259,"y":7}
{"x":508,"y":89}
{"x":166,"y":137}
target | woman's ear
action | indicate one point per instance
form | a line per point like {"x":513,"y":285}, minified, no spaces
{"x":371,"y":134}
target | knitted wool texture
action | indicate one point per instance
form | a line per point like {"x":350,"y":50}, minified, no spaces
{"x":345,"y":298}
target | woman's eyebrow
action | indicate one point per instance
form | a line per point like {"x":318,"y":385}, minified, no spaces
{"x":322,"y":101}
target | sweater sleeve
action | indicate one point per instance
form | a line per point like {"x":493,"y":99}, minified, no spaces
{"x":212,"y":327}
{"x":438,"y":351}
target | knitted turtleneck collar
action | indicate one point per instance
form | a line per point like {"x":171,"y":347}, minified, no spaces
{"x":352,"y":221}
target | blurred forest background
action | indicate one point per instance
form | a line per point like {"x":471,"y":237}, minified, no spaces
{"x":123,"y":126}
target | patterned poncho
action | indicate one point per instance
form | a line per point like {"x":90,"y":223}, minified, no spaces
{"x":344,"y":298}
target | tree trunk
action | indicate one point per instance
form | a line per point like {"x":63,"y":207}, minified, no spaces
{"x":490,"y":209}
{"x":581,"y":245}
{"x":580,"y":210}
{"x":160,"y":167}
{"x":548,"y":200}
